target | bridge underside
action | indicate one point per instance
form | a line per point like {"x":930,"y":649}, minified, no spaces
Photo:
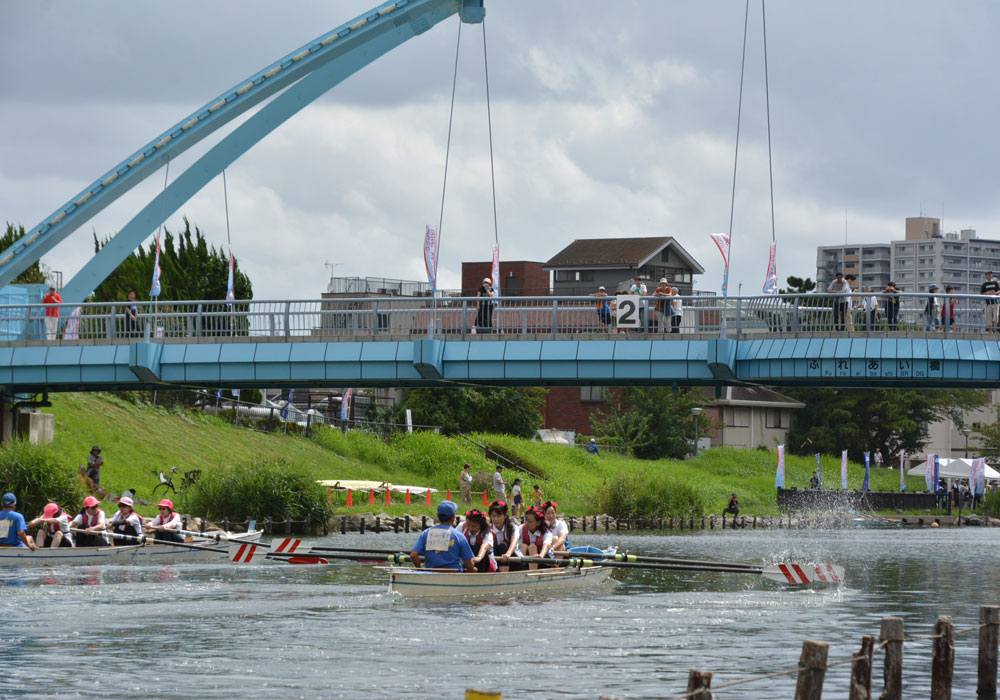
{"x":249,"y":362}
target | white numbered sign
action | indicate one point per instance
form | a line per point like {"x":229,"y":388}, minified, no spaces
{"x":628,"y":311}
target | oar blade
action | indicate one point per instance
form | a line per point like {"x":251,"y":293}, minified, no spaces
{"x":245,"y":552}
{"x":305,"y":560}
{"x":804,"y":573}
{"x":289,"y":546}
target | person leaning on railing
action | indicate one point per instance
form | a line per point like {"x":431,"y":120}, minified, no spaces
{"x":891,"y":305}
{"x":840,"y":304}
{"x":990,"y":288}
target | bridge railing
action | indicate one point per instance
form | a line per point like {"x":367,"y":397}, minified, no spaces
{"x":467,"y":317}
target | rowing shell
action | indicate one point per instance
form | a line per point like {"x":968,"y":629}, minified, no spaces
{"x":148,"y":554}
{"x":420,"y":583}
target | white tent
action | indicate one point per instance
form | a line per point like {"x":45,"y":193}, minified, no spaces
{"x":954,"y":469}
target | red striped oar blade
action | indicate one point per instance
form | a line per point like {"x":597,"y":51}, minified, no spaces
{"x":804,"y":573}
{"x":245,"y":552}
{"x":289,"y":546}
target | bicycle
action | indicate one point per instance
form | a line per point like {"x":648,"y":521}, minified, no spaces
{"x":188,"y":478}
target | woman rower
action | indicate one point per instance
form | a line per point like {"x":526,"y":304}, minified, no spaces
{"x":536,"y":540}
{"x":166,"y":526}
{"x":54,"y":528}
{"x":504,"y":537}
{"x":558,"y":528}
{"x":89,"y":519}
{"x":126,"y":523}
{"x":477,"y":531}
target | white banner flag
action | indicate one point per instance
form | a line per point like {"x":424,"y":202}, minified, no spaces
{"x":779,"y":474}
{"x":496,"y":269}
{"x":430,"y":255}
{"x":771,"y":280}
{"x":722,"y":241}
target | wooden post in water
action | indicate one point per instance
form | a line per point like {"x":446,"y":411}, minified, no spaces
{"x":812,"y":670}
{"x":572,"y":523}
{"x":406,"y":527}
{"x":699,"y":680}
{"x":423,"y":522}
{"x":343,"y":525}
{"x":671,"y":522}
{"x":378,"y":525}
{"x":892,"y":673}
{"x":711,"y":523}
{"x":395,"y":525}
{"x":270,"y":525}
{"x":943,"y":663}
{"x":703,"y":522}
{"x":989,"y":618}
{"x":288,"y":525}
{"x":861,"y":671}
{"x":361,"y":525}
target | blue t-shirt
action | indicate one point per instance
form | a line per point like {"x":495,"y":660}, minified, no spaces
{"x":11,"y":523}
{"x":443,"y":547}
{"x":591,"y":448}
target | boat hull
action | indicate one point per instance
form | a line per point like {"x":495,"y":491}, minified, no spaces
{"x":419,"y":583}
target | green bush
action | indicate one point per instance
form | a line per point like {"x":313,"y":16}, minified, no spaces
{"x":991,"y":503}
{"x":519,"y":459}
{"x":258,"y":489}
{"x":647,"y":494}
{"x":32,"y":473}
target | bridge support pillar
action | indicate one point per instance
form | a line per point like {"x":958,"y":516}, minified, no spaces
{"x":722,"y":358}
{"x":428,"y":358}
{"x":144,"y":361}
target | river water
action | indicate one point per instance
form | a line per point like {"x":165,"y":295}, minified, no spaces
{"x":278,"y":631}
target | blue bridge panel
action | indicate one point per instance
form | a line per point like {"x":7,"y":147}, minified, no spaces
{"x":558,"y":359}
{"x":343,"y":360}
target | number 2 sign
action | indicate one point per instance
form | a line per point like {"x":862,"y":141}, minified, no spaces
{"x":628,"y":311}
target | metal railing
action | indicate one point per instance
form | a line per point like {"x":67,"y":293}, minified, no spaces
{"x":466,"y":317}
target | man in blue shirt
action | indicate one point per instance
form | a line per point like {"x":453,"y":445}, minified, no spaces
{"x":592,"y":447}
{"x":13,"y":531}
{"x":443,"y":546}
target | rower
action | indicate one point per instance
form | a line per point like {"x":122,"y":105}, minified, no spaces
{"x":166,"y":526}
{"x":558,"y":528}
{"x":480,"y":536}
{"x":13,"y":530}
{"x":536,"y":540}
{"x":442,"y":545}
{"x":53,"y":527}
{"x":126,"y":522}
{"x":504,"y":537}
{"x":90,"y":518}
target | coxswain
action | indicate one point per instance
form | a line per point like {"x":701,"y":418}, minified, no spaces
{"x":480,"y":536}
{"x":504,"y":537}
{"x":558,"y":528}
{"x":91,"y":520}
{"x":126,"y":522}
{"x":13,"y":529}
{"x":535,"y":539}
{"x":442,"y":546}
{"x":167,"y":525}
{"x":53,"y":527}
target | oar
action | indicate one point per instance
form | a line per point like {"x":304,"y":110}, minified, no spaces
{"x":626,"y":557}
{"x":784,"y":573}
{"x":114,"y":535}
{"x":214,"y":535}
{"x":248,"y":552}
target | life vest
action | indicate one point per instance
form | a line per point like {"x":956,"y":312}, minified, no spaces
{"x":126,"y":527}
{"x":87,"y":521}
{"x":539,"y":536}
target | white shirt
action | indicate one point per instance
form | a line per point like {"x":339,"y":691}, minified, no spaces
{"x":559,"y":528}
{"x":466,"y":477}
{"x":498,"y":485}
{"x":172,"y":523}
{"x":678,"y":306}
{"x":515,"y":490}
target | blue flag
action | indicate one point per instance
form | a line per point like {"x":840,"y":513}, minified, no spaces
{"x":218,"y":395}
{"x":937,"y":472}
{"x":819,"y":471}
{"x":284,"y":409}
{"x":865,"y":487}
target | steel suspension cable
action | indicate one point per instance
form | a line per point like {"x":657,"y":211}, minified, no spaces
{"x":489,"y":123}
{"x":447,"y":152}
{"x":767,"y":101}
{"x":739,"y":116}
{"x":225,"y":198}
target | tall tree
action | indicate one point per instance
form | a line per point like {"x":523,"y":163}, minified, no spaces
{"x":860,"y":420}
{"x":509,"y":410}
{"x":797,"y":285}
{"x":190,"y":270}
{"x":654,"y":421}
{"x":34,"y":274}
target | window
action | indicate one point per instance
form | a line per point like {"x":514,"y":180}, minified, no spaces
{"x":850,"y":251}
{"x":593,"y":394}
{"x":567,"y":276}
{"x":739,"y":417}
{"x":585,"y":275}
{"x":776,"y":418}
{"x":665,"y":255}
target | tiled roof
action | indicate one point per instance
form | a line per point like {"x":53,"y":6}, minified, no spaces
{"x":608,"y":251}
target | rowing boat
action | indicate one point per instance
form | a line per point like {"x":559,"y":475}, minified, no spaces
{"x":421,"y":583}
{"x":149,"y":554}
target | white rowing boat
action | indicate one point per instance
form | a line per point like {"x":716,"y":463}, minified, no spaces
{"x":148,"y":554}
{"x":445,"y":584}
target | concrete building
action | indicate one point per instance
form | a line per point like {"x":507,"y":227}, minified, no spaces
{"x":871,"y":264}
{"x":518,"y":278}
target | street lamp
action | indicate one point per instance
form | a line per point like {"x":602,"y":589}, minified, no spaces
{"x":966,"y":432}
{"x":696,"y":411}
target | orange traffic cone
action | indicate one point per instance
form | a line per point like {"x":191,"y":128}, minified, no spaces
{"x":427,"y":501}
{"x":388,"y":498}
{"x":448,"y":497}
{"x":484,"y":500}
{"x":329,"y":495}
{"x":407,"y":496}
{"x":371,"y":497}
{"x":350,"y":499}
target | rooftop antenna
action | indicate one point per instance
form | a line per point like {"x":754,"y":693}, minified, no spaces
{"x":331,"y":265}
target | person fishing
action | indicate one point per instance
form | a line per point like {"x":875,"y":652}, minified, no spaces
{"x":13,"y":529}
{"x":442,"y":546}
{"x":89,"y":519}
{"x":167,"y":525}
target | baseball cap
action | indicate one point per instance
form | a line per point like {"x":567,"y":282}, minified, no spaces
{"x":8,"y":499}
{"x":446,"y":509}
{"x":601,"y":289}
{"x":933,"y":286}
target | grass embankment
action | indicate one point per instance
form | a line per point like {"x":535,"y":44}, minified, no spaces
{"x":140,"y":440}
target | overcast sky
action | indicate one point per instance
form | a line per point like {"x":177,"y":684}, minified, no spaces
{"x":610,"y":119}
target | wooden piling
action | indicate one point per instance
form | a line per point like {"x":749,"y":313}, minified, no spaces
{"x":711,"y":523}
{"x":892,"y":673}
{"x":703,"y":522}
{"x":395,"y":525}
{"x":585,"y":523}
{"x":270,"y":525}
{"x":288,"y":525}
{"x":225,"y":523}
{"x":861,"y":671}
{"x":700,"y":681}
{"x":423,"y":522}
{"x":361,"y":525}
{"x":989,"y":618}
{"x":343,"y":525}
{"x":943,"y":663}
{"x":378,"y":525}
{"x":812,"y":670}
{"x":406,"y":524}
{"x":572,"y":523}
{"x":671,"y":522}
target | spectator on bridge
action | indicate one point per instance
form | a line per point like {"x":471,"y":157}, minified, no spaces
{"x":664,"y":310}
{"x":603,"y":307}
{"x":51,"y":312}
{"x":849,"y":300}
{"x":131,"y":316}
{"x":639,"y":288}
{"x":990,"y":289}
{"x":840,"y":304}
{"x":932,"y":310}
{"x":732,"y":507}
{"x":676,"y":310}
{"x":869,"y":302}
{"x":948,"y":310}
{"x":465,"y":483}
{"x":891,"y":305}
{"x":484,"y":315}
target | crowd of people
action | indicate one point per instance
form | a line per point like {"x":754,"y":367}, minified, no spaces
{"x":89,"y":528}
{"x":491,"y":541}
{"x":667,"y":303}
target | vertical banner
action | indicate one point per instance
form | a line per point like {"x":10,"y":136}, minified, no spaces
{"x":496,"y":269}
{"x":72,"y":330}
{"x":235,"y":393}
{"x":154,"y":288}
{"x":937,"y":472}
{"x":902,"y":471}
{"x":284,"y":409}
{"x":979,"y":485}
{"x":843,"y":470}
{"x":430,"y":255}
{"x":929,"y":472}
{"x":865,"y":486}
{"x":230,"y":289}
{"x":345,"y":404}
{"x":771,"y":280}
{"x":779,"y":474}
{"x":722,"y":241}
{"x":819,"y":471}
